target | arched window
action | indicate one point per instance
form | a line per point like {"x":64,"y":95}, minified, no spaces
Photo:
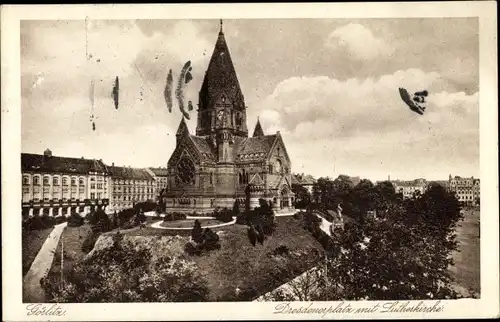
{"x":65,"y":181}
{"x":46,"y":180}
{"x":55,"y":181}
{"x":36,"y":180}
{"x":26,"y":180}
{"x":81,"y":182}
{"x":73,"y":181}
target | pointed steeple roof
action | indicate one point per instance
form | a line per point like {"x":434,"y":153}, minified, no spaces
{"x":258,"y":130}
{"x":221,"y":76}
{"x":182,"y":129}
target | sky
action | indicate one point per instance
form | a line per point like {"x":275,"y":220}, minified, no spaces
{"x":329,"y":86}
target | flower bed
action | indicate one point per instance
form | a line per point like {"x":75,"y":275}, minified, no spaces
{"x":189,"y":223}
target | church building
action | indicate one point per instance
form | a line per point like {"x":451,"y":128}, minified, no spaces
{"x":221,"y":163}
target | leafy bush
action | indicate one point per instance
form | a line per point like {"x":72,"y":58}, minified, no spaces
{"x":38,"y":222}
{"x":252,"y":235}
{"x":145,"y":206}
{"x":75,"y":220}
{"x":201,"y":240}
{"x":281,"y":250}
{"x":211,"y":240}
{"x":172,"y":216}
{"x":127,"y":273}
{"x":245,"y":217}
{"x":125,"y":216}
{"x":224,"y":215}
{"x":197,"y":232}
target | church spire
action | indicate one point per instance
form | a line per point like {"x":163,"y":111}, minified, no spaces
{"x":258,"y":129}
{"x":221,"y":90}
{"x":182,"y":129}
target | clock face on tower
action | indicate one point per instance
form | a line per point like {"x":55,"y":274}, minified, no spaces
{"x":220,"y":115}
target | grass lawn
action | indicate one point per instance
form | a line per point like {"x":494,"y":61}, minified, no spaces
{"x":467,"y":260}
{"x":32,"y":242}
{"x":189,"y":223}
{"x":73,"y":238}
{"x":252,"y":268}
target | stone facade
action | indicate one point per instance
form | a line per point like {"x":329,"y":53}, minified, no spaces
{"x":56,"y":186}
{"x":467,"y":190}
{"x":129,"y":186}
{"x":221,"y":163}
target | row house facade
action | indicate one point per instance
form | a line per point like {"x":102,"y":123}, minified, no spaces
{"x":409,"y":188}
{"x":160,"y":177}
{"x":128,"y":186}
{"x":467,"y":190}
{"x":56,"y":186}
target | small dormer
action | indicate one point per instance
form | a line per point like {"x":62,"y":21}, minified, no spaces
{"x":47,"y":153}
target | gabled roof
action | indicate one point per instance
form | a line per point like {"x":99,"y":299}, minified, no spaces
{"x":303,"y":179}
{"x":255,"y":148}
{"x":161,"y":172}
{"x":54,"y":164}
{"x":129,"y":173}
{"x":202,"y":145}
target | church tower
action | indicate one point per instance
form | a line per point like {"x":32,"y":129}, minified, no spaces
{"x":221,"y":108}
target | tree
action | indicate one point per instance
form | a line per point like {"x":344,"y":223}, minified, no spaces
{"x":236,"y":208}
{"x":302,"y":196}
{"x":405,"y":255}
{"x":252,"y":234}
{"x":197,"y":232}
{"x":115,"y":219}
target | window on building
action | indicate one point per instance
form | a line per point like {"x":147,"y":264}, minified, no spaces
{"x":36,"y":180}
{"x":46,"y":180}
{"x":92,"y":186}
{"x":99,"y":195}
{"x":26,"y":180}
{"x":73,"y":181}
{"x":65,"y":181}
{"x":99,"y":186}
{"x":55,"y":181}
{"x":81,"y":182}
{"x":92,"y":195}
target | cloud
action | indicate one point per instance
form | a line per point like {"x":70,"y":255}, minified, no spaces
{"x":363,"y":124}
{"x":359,"y":42}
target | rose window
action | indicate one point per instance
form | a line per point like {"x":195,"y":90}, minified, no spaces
{"x":185,"y":171}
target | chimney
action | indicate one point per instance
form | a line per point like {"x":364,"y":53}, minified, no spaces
{"x":47,"y":153}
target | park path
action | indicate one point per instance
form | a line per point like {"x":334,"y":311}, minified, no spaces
{"x":325,"y":224}
{"x":40,"y":267}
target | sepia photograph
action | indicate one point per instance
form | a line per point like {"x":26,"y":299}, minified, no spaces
{"x":259,"y":160}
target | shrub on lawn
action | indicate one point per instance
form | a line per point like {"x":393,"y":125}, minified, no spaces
{"x":224,"y":215}
{"x":75,"y":220}
{"x":38,"y":222}
{"x":125,"y":215}
{"x":201,"y":240}
{"x":125,"y":273}
{"x":197,"y":232}
{"x":172,"y":216}
{"x":145,"y":206}
{"x":281,"y":250}
{"x":245,"y":217}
